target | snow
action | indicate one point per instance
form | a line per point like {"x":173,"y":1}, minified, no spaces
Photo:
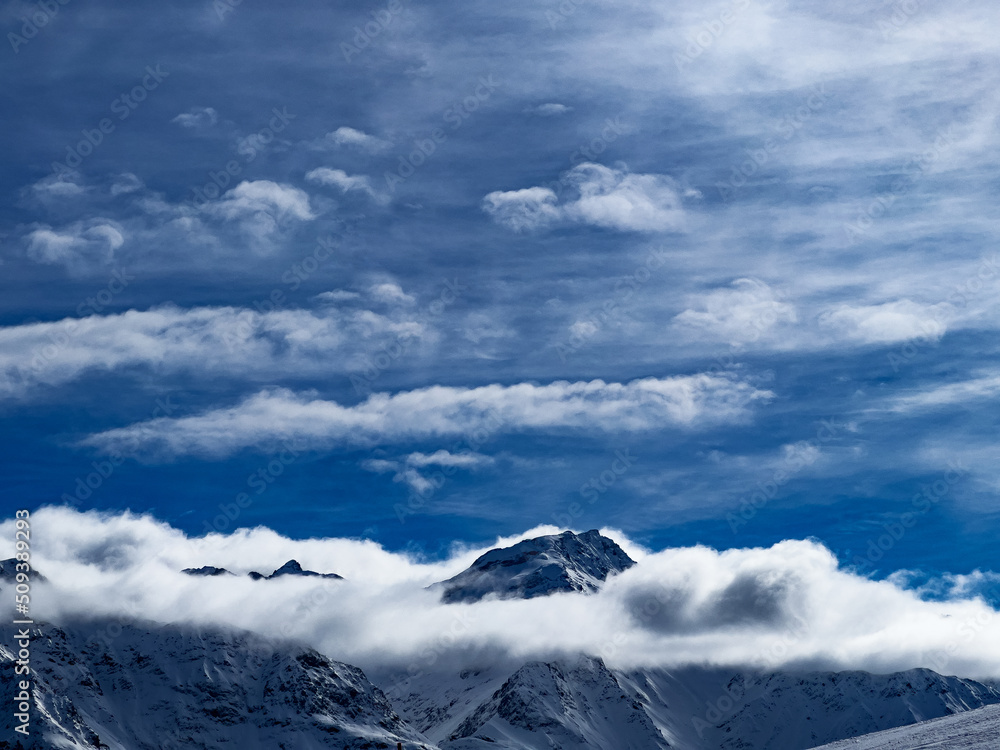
{"x":971,"y":730}
{"x":538,"y":567}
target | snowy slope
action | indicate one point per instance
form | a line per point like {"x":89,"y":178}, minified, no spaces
{"x":538,"y":567}
{"x":580,"y":703}
{"x":143,"y":686}
{"x":734,"y":710}
{"x":972,"y":730}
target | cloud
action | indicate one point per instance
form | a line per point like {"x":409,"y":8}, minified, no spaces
{"x":740,"y":314}
{"x":76,"y":246}
{"x":963,"y":392}
{"x":406,"y":469}
{"x":345,"y":136}
{"x":277,"y":415}
{"x":390,"y":293}
{"x":526,"y":209}
{"x":262,"y":205}
{"x":549,"y":109}
{"x":890,"y":322}
{"x":197,"y":118}
{"x":344,"y":182}
{"x":204,"y":340}
{"x":602,"y":197}
{"x":788,"y":605}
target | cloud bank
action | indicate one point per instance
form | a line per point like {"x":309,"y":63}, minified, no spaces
{"x":787,"y":605}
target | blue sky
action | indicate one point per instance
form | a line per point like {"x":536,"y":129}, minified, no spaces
{"x":721,"y":273}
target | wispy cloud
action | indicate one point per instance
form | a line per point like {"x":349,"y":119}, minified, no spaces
{"x":440,"y":412}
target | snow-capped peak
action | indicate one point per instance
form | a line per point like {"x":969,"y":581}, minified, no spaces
{"x":538,"y":567}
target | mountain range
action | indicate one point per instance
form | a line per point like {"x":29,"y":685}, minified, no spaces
{"x":136,"y":685}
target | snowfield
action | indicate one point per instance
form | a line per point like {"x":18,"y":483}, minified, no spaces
{"x":972,"y":730}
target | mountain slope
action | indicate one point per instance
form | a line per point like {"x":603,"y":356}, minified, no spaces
{"x":146,"y":687}
{"x":972,"y":730}
{"x":538,"y":567}
{"x":580,"y":703}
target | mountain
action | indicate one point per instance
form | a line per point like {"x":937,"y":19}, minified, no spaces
{"x":972,"y":730}
{"x":143,"y":686}
{"x":292,"y":568}
{"x":539,"y":567}
{"x":579,"y":703}
{"x":207,"y":570}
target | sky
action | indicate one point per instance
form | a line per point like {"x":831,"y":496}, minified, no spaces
{"x":419,"y":273}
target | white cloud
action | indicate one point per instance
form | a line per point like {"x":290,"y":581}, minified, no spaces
{"x":406,"y":469}
{"x":338,"y":295}
{"x":550,"y":109}
{"x":448,"y":459}
{"x":262,"y":205}
{"x":206,"y":339}
{"x":603,"y":197}
{"x":530,"y":208}
{"x":76,"y":246}
{"x":197,"y":118}
{"x":345,"y":136}
{"x":890,"y":322}
{"x":963,"y":392}
{"x":439,"y":411}
{"x":786,"y":605}
{"x":59,"y":186}
{"x":742,"y":313}
{"x":390,"y":293}
{"x":344,"y":182}
{"x":126,"y":183}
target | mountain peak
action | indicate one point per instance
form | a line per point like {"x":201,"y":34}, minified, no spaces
{"x":538,"y":567}
{"x":292,"y":568}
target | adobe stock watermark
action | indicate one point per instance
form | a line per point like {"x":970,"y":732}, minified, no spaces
{"x":584,"y":329}
{"x":259,"y":481}
{"x":455,"y":116}
{"x":708,"y":33}
{"x":592,"y":490}
{"x":473,"y":441}
{"x":375,"y":363}
{"x":914,"y":171}
{"x":902,"y":12}
{"x":369,"y":31}
{"x":34,"y":21}
{"x":921,"y":504}
{"x":787,"y":128}
{"x":219,"y":180}
{"x":123,"y":106}
{"x":87,"y":484}
{"x":797,"y":457}
{"x":61,"y":337}
{"x":935,"y":327}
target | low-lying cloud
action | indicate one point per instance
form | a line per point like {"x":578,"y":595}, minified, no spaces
{"x":786,"y":605}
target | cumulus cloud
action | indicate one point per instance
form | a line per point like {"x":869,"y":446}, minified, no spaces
{"x":261,"y":205}
{"x":345,"y":136}
{"x":890,"y":322}
{"x":601,"y":196}
{"x":197,"y":118}
{"x":520,"y":210}
{"x":741,"y":313}
{"x":786,"y":605}
{"x":273,"y":416}
{"x":205,"y":339}
{"x":344,"y":182}
{"x":76,"y":246}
